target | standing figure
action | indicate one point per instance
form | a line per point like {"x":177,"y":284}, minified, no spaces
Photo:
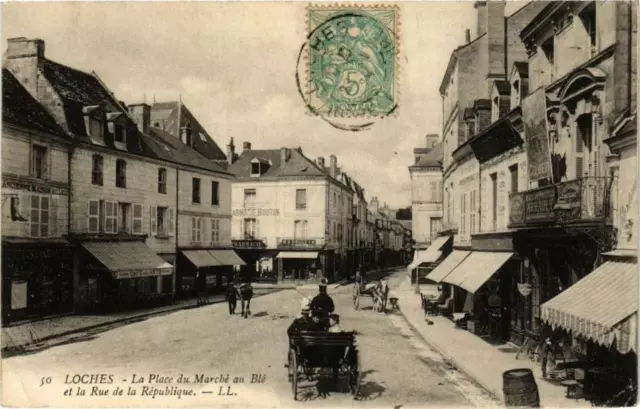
{"x":232,"y":297}
{"x":247,"y":294}
{"x":322,"y":304}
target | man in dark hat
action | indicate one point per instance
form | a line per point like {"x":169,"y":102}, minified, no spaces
{"x":232,"y":297}
{"x":322,"y":304}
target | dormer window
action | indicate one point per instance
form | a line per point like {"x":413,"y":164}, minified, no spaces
{"x":255,"y":169}
{"x":259,"y":166}
{"x":95,"y":127}
{"x":495,"y":109}
{"x":119,"y":134}
{"x":516,"y":92}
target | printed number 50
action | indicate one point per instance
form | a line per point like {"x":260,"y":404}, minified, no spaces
{"x":45,"y":380}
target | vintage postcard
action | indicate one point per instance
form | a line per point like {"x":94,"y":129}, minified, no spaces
{"x":319,"y":204}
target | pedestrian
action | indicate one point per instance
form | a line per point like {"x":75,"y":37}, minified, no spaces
{"x":232,"y":297}
{"x":322,"y":304}
{"x":247,"y":294}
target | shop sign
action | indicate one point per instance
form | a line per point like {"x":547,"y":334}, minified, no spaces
{"x":569,"y":199}
{"x":516,"y":209}
{"x":37,"y":254}
{"x":151,"y":272}
{"x":297,"y":243}
{"x":539,"y":204}
{"x":211,"y":279}
{"x":34,"y":188}
{"x":255,"y":212}
{"x":248,"y":244}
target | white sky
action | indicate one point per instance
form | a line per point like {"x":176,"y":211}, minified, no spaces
{"x":235,"y":63}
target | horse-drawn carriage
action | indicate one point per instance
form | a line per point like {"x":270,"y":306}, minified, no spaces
{"x":378,"y":291}
{"x":311,"y":352}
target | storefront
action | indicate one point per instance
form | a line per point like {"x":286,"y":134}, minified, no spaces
{"x":205,"y":270}
{"x":254,"y":256}
{"x":37,"y":279}
{"x":424,"y":261}
{"x":120,"y":276}
{"x":298,"y":266}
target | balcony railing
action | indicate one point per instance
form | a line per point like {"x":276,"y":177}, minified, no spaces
{"x":300,"y":242}
{"x":582,"y":200}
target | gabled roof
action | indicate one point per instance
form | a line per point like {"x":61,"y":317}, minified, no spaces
{"x":20,"y":108}
{"x":522,"y":67}
{"x":167,"y":114}
{"x":167,"y":147}
{"x":296,"y":165}
{"x":504,"y":87}
{"x":432,"y":159}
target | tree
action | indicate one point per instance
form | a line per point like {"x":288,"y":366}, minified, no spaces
{"x":403,"y":214}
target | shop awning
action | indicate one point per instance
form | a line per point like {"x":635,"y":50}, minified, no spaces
{"x":311,"y":255}
{"x":477,"y":269}
{"x":599,"y":306}
{"x":447,"y":265}
{"x":201,"y":258}
{"x":430,"y":255}
{"x":128,"y":259}
{"x":227,"y":257}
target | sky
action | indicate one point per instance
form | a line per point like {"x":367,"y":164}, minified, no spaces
{"x":234,"y":66}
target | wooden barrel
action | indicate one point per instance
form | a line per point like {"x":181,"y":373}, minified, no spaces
{"x":520,"y":388}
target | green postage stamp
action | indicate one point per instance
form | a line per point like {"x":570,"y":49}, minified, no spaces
{"x":352,"y":60}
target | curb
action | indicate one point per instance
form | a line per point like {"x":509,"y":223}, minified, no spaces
{"x":457,"y":363}
{"x":17,"y":349}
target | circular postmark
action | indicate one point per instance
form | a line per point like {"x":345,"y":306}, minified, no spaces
{"x":349,"y":62}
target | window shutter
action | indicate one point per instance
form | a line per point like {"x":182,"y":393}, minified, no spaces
{"x":153,"y":214}
{"x":53,"y":218}
{"x":34,"y":216}
{"x":93,"y":216}
{"x":579,"y":151}
{"x":193,"y":229}
{"x":137,"y":219}
{"x":24,"y":208}
{"x":171,"y":222}
{"x":116,"y":216}
{"x":200,"y":229}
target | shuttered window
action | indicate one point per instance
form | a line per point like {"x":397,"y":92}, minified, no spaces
{"x":301,"y":199}
{"x":137,"y":219}
{"x":39,"y":216}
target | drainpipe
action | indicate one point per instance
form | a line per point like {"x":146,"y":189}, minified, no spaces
{"x":630,"y":53}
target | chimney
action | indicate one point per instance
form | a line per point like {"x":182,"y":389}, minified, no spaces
{"x":24,"y":58}
{"x":321,"y":162}
{"x":481,"y":11}
{"x":231,"y":148}
{"x":285,"y":154}
{"x":333,"y":166}
{"x":467,"y":36}
{"x":141,"y":113}
{"x":246,"y":146}
{"x":375,"y":204}
{"x":495,"y":27}
{"x":432,"y":140}
{"x":185,"y":136}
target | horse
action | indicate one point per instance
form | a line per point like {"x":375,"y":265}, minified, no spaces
{"x":246,"y":293}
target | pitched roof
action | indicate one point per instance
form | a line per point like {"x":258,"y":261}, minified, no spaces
{"x":296,"y":165}
{"x":166,"y":146}
{"x":20,"y":108}
{"x":432,"y":159}
{"x":523,"y":68}
{"x":504,"y":87}
{"x":167,"y":114}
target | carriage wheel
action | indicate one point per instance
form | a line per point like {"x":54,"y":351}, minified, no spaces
{"x":355,"y":375}
{"x":293,"y":373}
{"x":356,"y":296}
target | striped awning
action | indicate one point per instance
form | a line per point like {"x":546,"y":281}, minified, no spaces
{"x":447,"y":265}
{"x":430,"y":255}
{"x":311,"y":255}
{"x":128,"y":259}
{"x":601,"y":306}
{"x":227,"y":257}
{"x":477,"y":269}
{"x":201,"y":258}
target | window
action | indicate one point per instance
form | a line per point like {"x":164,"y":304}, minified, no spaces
{"x":463,"y":213}
{"x":195,"y":190}
{"x":215,"y":230}
{"x":95,"y":127}
{"x":513,"y":172}
{"x":39,"y":163}
{"x":495,"y":109}
{"x":588,"y":17}
{"x":96,"y":170}
{"x":494,"y":200}
{"x":548,"y":49}
{"x":471,"y":128}
{"x":137,"y":219}
{"x":110,"y":217}
{"x":516,"y":92}
{"x":300,"y":229}
{"x":249,"y":198}
{"x":162,"y":180}
{"x":434,"y":191}
{"x":124,"y":211}
{"x":472,"y":212}
{"x":39,"y":220}
{"x":93,"y":222}
{"x":121,"y":173}
{"x":196,"y":229}
{"x":335,"y":200}
{"x":250,"y":229}
{"x":215,"y":193}
{"x":301,"y":199}
{"x":162,"y":221}
{"x":255,"y":169}
{"x":119,"y":135}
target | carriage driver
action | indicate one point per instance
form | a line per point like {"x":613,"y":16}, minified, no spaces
{"x":322,"y":304}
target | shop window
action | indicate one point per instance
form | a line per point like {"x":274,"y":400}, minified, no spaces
{"x":215,"y":193}
{"x":39,"y":220}
{"x":162,"y":180}
{"x":215,"y":230}
{"x":124,"y":210}
{"x":195,"y":190}
{"x":39,"y":161}
{"x":301,"y":199}
{"x":249,"y":198}
{"x":97,"y":170}
{"x":121,"y":173}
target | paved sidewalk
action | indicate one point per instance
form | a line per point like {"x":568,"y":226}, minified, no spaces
{"x":471,"y":354}
{"x":18,"y":336}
